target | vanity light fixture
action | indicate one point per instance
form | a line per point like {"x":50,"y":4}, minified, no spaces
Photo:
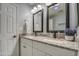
{"x":35,"y":9}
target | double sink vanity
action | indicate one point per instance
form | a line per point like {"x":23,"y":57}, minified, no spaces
{"x":31,"y":45}
{"x":58,"y":19}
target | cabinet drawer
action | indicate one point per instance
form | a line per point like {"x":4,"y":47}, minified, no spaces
{"x":26,"y":41}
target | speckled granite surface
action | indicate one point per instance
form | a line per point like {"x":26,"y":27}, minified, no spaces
{"x":54,"y":41}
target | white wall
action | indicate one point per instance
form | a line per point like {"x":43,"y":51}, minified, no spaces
{"x":24,"y":13}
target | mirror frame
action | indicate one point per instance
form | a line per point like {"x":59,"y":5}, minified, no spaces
{"x":41,"y":21}
{"x":67,"y":18}
{"x":78,"y":13}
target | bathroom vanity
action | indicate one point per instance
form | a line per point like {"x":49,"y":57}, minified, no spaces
{"x":46,"y":46}
{"x":57,"y":21}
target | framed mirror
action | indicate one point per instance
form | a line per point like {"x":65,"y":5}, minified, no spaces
{"x":38,"y":21}
{"x":57,"y":17}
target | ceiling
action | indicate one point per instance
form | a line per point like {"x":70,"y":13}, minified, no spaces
{"x":30,"y":4}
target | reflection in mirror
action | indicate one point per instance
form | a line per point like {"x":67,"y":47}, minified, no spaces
{"x":38,"y":21}
{"x":56,"y":19}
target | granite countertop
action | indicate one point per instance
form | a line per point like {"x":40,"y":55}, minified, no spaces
{"x":54,"y":41}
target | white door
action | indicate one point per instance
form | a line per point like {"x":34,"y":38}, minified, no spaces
{"x":8,"y":28}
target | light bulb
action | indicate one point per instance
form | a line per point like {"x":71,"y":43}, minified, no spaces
{"x":39,"y":7}
{"x":35,"y":8}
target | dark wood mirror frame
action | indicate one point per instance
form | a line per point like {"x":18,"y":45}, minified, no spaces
{"x":78,"y":13}
{"x":67,"y":18}
{"x":41,"y":21}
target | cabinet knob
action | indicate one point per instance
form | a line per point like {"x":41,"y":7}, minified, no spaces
{"x":24,"y":46}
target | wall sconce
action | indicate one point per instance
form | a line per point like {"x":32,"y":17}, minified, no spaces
{"x":35,"y":8}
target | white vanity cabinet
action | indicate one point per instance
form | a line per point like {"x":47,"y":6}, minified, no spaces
{"x":36,"y":48}
{"x":52,"y":50}
{"x":39,"y":48}
{"x":26,"y":50}
{"x":58,"y":51}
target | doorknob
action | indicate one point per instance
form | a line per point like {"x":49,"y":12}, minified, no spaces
{"x":14,"y":36}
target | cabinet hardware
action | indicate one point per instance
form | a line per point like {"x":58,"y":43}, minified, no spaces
{"x":24,"y":46}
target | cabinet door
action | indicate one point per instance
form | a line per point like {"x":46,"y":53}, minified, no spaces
{"x":37,"y":49}
{"x":40,"y":53}
{"x":26,"y":50}
{"x":51,"y":50}
{"x":39,"y":45}
{"x":35,"y":52}
{"x":58,"y":51}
